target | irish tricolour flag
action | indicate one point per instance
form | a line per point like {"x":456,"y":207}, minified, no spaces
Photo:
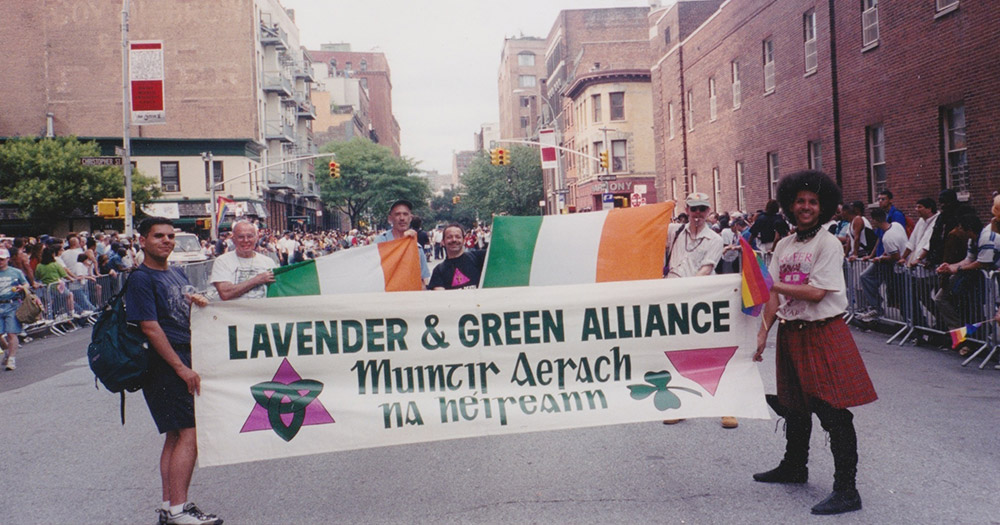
{"x":392,"y":266}
{"x":621,"y":244}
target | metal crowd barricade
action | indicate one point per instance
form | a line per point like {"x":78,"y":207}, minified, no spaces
{"x":199,"y":274}
{"x":913,"y":298}
{"x":59,"y":308}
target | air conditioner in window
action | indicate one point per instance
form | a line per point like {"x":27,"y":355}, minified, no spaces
{"x":171,"y":187}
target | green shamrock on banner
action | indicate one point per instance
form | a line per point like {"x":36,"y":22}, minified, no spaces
{"x":663,"y":398}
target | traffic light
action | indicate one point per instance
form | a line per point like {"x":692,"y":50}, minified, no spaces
{"x":495,"y":156}
{"x":604,"y":159}
{"x":334,"y":170}
{"x":456,"y":199}
{"x":121,"y":208}
{"x":204,"y":224}
{"x":504,"y":157}
{"x":107,"y":208}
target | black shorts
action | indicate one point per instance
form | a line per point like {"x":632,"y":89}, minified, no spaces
{"x":167,"y":397}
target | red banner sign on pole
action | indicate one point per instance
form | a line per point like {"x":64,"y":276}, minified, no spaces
{"x":146,"y":82}
{"x":547,"y":137}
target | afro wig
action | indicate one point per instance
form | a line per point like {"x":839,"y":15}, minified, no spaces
{"x":809,"y":180}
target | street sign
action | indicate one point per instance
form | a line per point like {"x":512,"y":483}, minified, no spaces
{"x":635,"y":200}
{"x":607,"y":201}
{"x":119,"y":151}
{"x":607,"y":177}
{"x":640,"y":189}
{"x":101,"y":161}
{"x":547,"y":138}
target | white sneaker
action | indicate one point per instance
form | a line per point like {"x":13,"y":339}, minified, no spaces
{"x":11,"y":364}
{"x":192,"y":515}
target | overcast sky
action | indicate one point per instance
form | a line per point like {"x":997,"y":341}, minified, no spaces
{"x":443,"y":54}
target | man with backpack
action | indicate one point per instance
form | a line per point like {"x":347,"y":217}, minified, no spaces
{"x":158,"y":301}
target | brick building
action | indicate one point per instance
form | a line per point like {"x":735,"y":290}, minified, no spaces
{"x":597,"y":76}
{"x":236,"y":85}
{"x":895,"y":95}
{"x":372,"y":69}
{"x":522,"y":67}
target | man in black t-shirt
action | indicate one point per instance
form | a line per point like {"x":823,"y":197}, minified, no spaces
{"x":460,"y":269}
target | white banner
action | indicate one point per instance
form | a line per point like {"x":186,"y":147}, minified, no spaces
{"x":550,"y":159}
{"x":305,"y":375}
{"x":145,"y":63}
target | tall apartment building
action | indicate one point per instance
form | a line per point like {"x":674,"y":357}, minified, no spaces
{"x":460,"y":161}
{"x":522,"y":68}
{"x":597,"y":78}
{"x":343,"y":108}
{"x":897,"y":95}
{"x":236,"y":85}
{"x":487,"y":136}
{"x":372,"y":70}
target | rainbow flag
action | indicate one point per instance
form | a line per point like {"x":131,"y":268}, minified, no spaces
{"x":222,"y":208}
{"x":960,"y":334}
{"x":757,"y":282}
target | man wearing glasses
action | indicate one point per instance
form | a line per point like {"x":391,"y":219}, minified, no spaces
{"x":243,"y":272}
{"x":693,"y":250}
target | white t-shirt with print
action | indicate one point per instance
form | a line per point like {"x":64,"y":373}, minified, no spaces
{"x":231,"y":268}
{"x":818,"y":262}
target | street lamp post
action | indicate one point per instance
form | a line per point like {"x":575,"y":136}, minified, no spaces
{"x":207,"y":157}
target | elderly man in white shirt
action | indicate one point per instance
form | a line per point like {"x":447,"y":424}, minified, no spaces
{"x":694,"y":249}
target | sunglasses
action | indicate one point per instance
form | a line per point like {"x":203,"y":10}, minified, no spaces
{"x":699,"y":208}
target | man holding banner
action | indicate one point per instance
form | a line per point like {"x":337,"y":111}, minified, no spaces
{"x":819,"y":369}
{"x":159,"y":303}
{"x":695,"y":249}
{"x":243,"y":272}
{"x":400,"y":216}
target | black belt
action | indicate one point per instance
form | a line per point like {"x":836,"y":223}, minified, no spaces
{"x":796,"y":324}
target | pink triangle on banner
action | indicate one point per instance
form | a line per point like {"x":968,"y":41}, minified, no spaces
{"x":459,"y":278}
{"x":316,"y":413}
{"x":703,"y":365}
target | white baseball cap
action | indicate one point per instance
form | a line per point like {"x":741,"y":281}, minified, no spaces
{"x":4,"y":254}
{"x":697,"y":199}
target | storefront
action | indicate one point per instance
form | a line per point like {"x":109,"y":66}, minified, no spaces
{"x":623,"y":192}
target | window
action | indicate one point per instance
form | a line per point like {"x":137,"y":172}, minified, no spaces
{"x":957,"y":165}
{"x":618,"y":159}
{"x":809,"y":35}
{"x":598,"y":148}
{"x":711,"y":99}
{"x":945,"y":4}
{"x":526,"y":81}
{"x":869,"y":22}
{"x":595,"y":102}
{"x":666,"y":33}
{"x":737,"y":88}
{"x":525,"y":102}
{"x":526,"y":59}
{"x":670,"y":119}
{"x":815,"y":154}
{"x":617,"y":102}
{"x":718,"y":187}
{"x":741,"y":189}
{"x":876,"y":160}
{"x":694,"y":183}
{"x":524,"y":122}
{"x":364,"y":65}
{"x":690,"y":110}
{"x":170,"y":176}
{"x":217,"y":175}
{"x":349,"y":65}
{"x":772,"y":173}
{"x":768,"y":66}
{"x":673,"y":189}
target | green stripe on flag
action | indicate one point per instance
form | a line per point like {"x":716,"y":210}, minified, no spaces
{"x":512,"y":246}
{"x":295,"y":279}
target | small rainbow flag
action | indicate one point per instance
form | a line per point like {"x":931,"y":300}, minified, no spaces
{"x":757,"y":282}
{"x":960,"y":334}
{"x":222,"y":208}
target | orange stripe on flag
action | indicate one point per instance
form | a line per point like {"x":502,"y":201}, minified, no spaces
{"x":633,"y":243}
{"x":400,"y":265}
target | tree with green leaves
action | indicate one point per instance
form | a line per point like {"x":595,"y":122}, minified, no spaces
{"x":371,"y":178}
{"x":45,"y":179}
{"x":514,"y":189}
{"x":444,"y":209}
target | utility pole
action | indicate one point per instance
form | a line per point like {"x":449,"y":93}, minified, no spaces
{"x":126,"y":117}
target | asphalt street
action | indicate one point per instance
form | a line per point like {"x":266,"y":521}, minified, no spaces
{"x":929,"y":448}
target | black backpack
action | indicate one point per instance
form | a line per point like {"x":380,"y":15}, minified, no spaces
{"x":118,"y":351}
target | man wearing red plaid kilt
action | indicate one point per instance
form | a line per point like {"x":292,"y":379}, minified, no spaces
{"x":819,"y":369}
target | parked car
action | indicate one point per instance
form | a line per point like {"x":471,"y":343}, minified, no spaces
{"x":187,"y":249}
